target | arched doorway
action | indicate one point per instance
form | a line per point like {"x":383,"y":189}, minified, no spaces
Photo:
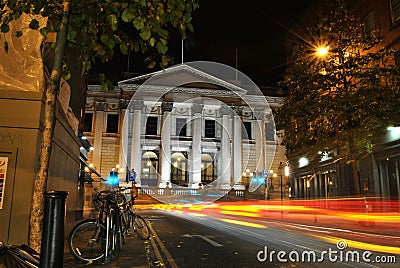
{"x":149,"y":174}
{"x":179,"y":169}
{"x":207,"y":169}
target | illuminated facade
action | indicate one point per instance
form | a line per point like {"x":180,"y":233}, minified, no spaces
{"x":204,"y":131}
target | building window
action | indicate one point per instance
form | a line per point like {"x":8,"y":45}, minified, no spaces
{"x":246,"y":130}
{"x":369,"y":22}
{"x":209,"y":129}
{"x":88,"y":122}
{"x":395,"y":9}
{"x":112,"y":123}
{"x":181,"y":127}
{"x":151,"y":125}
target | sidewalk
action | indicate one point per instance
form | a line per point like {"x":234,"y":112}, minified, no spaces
{"x":134,"y":254}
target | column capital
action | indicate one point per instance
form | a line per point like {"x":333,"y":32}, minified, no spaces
{"x":197,"y":108}
{"x":225,"y":110}
{"x":123,"y":104}
{"x":136,"y":105}
{"x":238,"y":110}
{"x":100,"y":106}
{"x":167,"y":106}
{"x":259,"y":115}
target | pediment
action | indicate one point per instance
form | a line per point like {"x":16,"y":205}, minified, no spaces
{"x":179,"y":76}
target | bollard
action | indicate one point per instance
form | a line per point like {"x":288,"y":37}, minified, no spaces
{"x":52,"y":248}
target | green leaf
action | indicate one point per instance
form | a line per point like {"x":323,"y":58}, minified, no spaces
{"x":110,"y":44}
{"x":124,"y":49}
{"x":67,"y":76}
{"x":71,"y":35}
{"x":114,"y":22}
{"x":87,"y":65}
{"x":151,"y":64}
{"x":127,"y":15}
{"x":138,"y":23}
{"x":145,"y":35}
{"x":161,"y":48}
{"x":165,"y":61}
{"x":18,"y":33}
{"x":152,"y":41}
{"x":34,"y":24}
{"x":43,"y":31}
{"x":5,"y":28}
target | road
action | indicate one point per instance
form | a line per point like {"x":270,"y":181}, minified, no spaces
{"x":200,"y":239}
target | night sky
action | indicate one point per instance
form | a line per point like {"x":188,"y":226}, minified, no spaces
{"x":255,"y":28}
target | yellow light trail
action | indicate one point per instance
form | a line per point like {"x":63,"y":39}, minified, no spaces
{"x":244,"y":208}
{"x":240,"y":213}
{"x":244,"y":223}
{"x":361,"y":245}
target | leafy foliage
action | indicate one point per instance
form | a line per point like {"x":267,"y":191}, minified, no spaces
{"x":97,"y":28}
{"x":339,"y":101}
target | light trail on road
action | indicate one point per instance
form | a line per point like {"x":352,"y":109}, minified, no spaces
{"x":302,"y":225}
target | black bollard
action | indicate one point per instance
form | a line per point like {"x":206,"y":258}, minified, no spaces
{"x":52,"y":248}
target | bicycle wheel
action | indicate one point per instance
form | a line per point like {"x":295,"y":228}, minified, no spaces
{"x":86,"y":241}
{"x":140,"y":226}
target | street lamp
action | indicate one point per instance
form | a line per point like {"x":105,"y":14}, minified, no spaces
{"x":280,"y":173}
{"x":322,"y":51}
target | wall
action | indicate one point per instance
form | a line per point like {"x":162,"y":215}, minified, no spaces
{"x":20,"y":132}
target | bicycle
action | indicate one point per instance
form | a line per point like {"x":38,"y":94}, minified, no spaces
{"x":129,"y":217}
{"x":93,"y":240}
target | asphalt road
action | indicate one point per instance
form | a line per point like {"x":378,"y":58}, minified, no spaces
{"x":195,"y":240}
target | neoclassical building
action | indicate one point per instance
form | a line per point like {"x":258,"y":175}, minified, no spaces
{"x":187,"y":126}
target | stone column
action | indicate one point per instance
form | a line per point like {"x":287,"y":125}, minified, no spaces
{"x":123,"y":143}
{"x":136,"y":150}
{"x":224,"y":166}
{"x":260,"y":137}
{"x":165,"y":152}
{"x":98,"y":135}
{"x":195,"y":174}
{"x":237,"y":150}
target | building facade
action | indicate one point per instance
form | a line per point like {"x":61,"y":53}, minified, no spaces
{"x":184,"y":128}
{"x":379,"y":171}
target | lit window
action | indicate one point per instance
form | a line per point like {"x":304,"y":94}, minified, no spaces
{"x":303,"y":162}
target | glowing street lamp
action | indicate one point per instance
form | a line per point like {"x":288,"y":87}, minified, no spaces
{"x":322,"y":51}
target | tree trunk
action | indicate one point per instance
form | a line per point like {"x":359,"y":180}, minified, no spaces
{"x":355,"y":177}
{"x":354,"y":166}
{"x":51,"y":92}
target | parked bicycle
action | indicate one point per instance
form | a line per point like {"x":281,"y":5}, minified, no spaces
{"x":130,"y":221}
{"x":95,"y":240}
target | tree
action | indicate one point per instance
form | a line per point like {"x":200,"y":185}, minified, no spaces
{"x":342,"y":90}
{"x":93,"y":30}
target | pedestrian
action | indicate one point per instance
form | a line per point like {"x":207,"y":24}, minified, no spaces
{"x":132,"y":176}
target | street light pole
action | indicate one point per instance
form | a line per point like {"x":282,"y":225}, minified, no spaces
{"x":280,"y":173}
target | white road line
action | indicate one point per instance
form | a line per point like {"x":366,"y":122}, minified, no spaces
{"x":211,"y":242}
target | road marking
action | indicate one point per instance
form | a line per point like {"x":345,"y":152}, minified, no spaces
{"x":211,"y":242}
{"x":170,"y":260}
